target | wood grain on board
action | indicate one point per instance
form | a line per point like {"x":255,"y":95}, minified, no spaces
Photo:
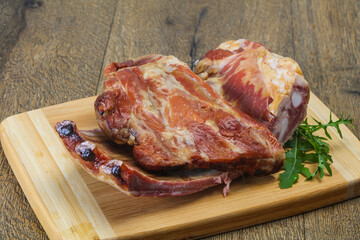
{"x":55,"y":51}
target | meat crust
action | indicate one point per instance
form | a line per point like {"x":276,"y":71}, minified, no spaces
{"x":176,"y":121}
{"x":115,"y":165}
{"x":268,"y":87}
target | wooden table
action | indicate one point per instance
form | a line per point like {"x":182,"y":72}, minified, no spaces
{"x":55,"y":51}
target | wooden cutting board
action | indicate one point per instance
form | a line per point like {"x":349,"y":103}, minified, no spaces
{"x":71,"y":204}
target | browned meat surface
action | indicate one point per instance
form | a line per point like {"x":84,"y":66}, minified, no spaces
{"x":268,"y":87}
{"x":175,"y":120}
{"x":115,"y":165}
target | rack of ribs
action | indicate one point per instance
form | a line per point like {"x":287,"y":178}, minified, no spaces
{"x":177,"y":125}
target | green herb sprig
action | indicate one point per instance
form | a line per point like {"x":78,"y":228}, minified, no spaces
{"x":305,"y":147}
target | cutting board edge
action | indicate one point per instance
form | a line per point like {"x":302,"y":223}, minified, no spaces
{"x":24,"y":180}
{"x":346,"y":168}
{"x":235,"y":220}
{"x":76,"y":184}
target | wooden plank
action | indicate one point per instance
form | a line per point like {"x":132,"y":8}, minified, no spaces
{"x":326,"y":46}
{"x":249,"y":20}
{"x":53,"y":53}
{"x":12,"y":22}
{"x":78,"y":204}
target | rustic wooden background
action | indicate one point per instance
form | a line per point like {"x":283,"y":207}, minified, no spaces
{"x":54,"y":51}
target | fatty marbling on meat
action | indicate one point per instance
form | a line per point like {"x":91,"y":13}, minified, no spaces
{"x":268,"y":87}
{"x":177,"y":121}
{"x":185,"y":136}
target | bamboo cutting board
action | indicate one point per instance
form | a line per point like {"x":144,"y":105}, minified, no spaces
{"x":70,"y":204}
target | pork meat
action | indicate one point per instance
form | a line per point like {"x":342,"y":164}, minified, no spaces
{"x":268,"y":87}
{"x":177,"y":121}
{"x":114,"y":164}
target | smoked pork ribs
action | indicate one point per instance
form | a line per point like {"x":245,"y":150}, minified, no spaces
{"x":114,"y":164}
{"x":185,"y":136}
{"x":268,"y":87}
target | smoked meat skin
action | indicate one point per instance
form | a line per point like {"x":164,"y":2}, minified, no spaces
{"x":177,"y":121}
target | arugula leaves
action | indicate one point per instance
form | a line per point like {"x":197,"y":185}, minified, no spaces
{"x":305,"y":147}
